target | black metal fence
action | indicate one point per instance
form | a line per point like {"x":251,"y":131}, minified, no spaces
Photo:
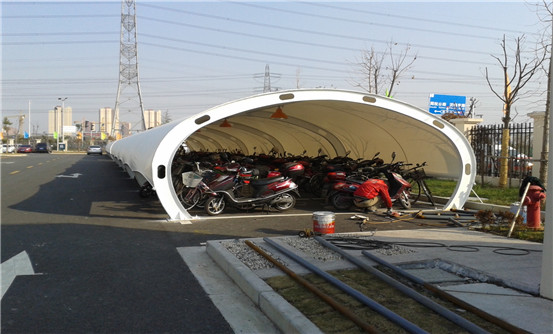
{"x":486,"y":143}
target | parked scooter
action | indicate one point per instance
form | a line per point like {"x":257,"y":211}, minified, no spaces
{"x":398,"y":188}
{"x":199,"y":184}
{"x":334,"y":178}
{"x":279,"y":193}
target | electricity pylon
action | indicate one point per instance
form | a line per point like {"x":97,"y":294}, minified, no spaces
{"x":267,"y":86}
{"x":128,"y":66}
{"x":267,"y":80}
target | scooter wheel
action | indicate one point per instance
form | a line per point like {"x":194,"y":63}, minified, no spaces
{"x":215,"y":205}
{"x":146,"y":191}
{"x":284,"y":202}
{"x":404,"y":200}
{"x":341,"y":202}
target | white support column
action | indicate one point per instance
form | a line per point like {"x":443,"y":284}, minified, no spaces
{"x":537,"y":140}
{"x":465,"y":124}
{"x":546,"y":284}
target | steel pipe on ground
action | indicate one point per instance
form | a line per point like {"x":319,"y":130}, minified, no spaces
{"x":403,"y":323}
{"x":444,"y":312}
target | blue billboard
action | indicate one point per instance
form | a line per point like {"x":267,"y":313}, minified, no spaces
{"x":447,"y":104}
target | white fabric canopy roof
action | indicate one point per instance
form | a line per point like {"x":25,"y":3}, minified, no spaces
{"x":334,"y":121}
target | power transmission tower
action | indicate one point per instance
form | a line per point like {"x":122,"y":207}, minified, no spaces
{"x":267,"y":80}
{"x":267,"y":87}
{"x":128,"y":67}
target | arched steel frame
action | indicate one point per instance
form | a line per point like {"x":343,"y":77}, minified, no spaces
{"x":335,"y":120}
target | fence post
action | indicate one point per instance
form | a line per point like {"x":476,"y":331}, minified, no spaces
{"x":537,"y":142}
{"x":465,"y":124}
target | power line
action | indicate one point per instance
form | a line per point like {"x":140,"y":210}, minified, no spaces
{"x":219,"y":46}
{"x":331,"y":67}
{"x":294,"y":30}
{"x":258,"y":36}
{"x":326,"y":17}
{"x":416,"y":19}
{"x":64,"y":33}
{"x":285,"y":40}
{"x":58,"y":16}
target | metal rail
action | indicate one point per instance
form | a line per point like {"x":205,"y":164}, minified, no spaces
{"x":442,"y":311}
{"x":326,"y":298}
{"x":484,"y":315}
{"x":405,"y":324}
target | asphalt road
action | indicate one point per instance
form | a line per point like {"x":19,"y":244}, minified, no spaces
{"x":105,"y":259}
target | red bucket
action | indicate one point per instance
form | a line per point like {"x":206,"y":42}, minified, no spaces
{"x":323,"y":222}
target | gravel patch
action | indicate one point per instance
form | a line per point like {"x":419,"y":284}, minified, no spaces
{"x":253,"y":260}
{"x":313,"y":248}
{"x":248,"y":256}
{"x":370,"y":243}
{"x":308,"y":246}
{"x":395,"y":250}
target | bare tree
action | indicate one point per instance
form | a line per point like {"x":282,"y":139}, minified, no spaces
{"x":522,"y":70}
{"x":384,"y":69}
{"x":35,"y":128}
{"x":472,"y":106}
{"x":371,"y":66}
{"x":166,"y":117}
{"x":6,"y":125}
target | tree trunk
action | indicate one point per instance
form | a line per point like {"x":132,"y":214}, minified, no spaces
{"x":504,"y":159}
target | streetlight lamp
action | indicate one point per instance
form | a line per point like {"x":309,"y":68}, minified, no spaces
{"x":62,"y":107}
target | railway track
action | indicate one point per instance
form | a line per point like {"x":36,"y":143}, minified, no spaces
{"x":376,"y":301}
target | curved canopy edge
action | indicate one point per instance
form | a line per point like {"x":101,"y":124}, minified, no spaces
{"x":331,"y":121}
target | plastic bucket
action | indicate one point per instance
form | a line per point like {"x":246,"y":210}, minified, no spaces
{"x":323,"y":222}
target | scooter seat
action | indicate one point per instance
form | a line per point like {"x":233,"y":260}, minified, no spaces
{"x":262,"y":182}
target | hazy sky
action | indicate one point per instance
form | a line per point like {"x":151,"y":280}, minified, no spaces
{"x":196,"y":55}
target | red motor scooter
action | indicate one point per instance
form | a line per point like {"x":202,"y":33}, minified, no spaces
{"x":398,"y":188}
{"x":201,"y":183}
{"x":279,"y":193}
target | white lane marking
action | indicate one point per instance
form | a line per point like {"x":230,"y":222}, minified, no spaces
{"x":17,"y":265}
{"x":264,"y":215}
{"x":73,"y":176}
{"x":182,"y":222}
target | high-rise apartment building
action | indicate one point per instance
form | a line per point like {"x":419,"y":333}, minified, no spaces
{"x":105,"y":118}
{"x":125,"y":129}
{"x":152,"y":118}
{"x":55,"y":119}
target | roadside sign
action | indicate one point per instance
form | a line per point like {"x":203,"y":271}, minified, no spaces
{"x":446,"y":104}
{"x":69,"y":129}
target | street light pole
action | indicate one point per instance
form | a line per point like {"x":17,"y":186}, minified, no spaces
{"x":29,"y":126}
{"x":56,"y":128}
{"x":62,"y":107}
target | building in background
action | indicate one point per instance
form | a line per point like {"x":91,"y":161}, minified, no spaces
{"x":105,"y":120}
{"x":88,"y":126}
{"x":152,"y":118}
{"x":55,"y":119}
{"x":125,"y":129}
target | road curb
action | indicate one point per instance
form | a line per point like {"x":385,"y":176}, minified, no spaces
{"x":479,"y":206}
{"x":285,"y":316}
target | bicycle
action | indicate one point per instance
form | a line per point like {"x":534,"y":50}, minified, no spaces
{"x":417,"y":176}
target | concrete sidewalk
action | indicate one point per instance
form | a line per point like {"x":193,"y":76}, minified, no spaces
{"x":498,"y":275}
